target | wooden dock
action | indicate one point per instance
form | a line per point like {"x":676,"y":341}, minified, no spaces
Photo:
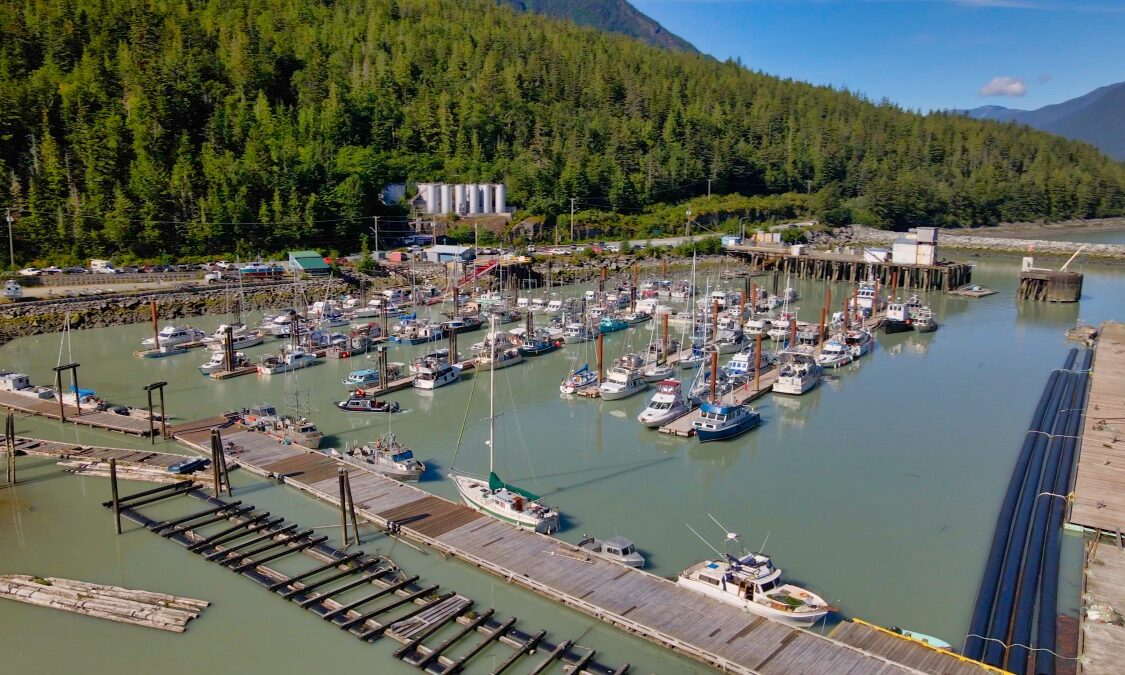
{"x":682,"y":426}
{"x":1103,"y":585}
{"x":647,"y":605}
{"x":907,"y":651}
{"x":237,"y":372}
{"x":1099,"y":486}
{"x":49,"y":408}
{"x":973,"y":291}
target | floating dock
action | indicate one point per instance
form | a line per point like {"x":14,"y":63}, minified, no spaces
{"x":973,"y":291}
{"x":906,"y":650}
{"x":827,"y":266}
{"x":49,"y":408}
{"x":647,"y":605}
{"x":682,"y":426}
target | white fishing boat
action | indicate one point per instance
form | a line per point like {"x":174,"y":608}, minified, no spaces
{"x":171,"y":336}
{"x":667,"y":404}
{"x":924,"y":321}
{"x":434,"y":374}
{"x":751,"y":582}
{"x":797,"y":373}
{"x":834,"y":353}
{"x":19,"y":383}
{"x":622,"y":382}
{"x":617,"y":549}
{"x":578,"y":332}
{"x":502,"y":500}
{"x":294,"y":359}
{"x":386,"y":456}
{"x":742,"y":364}
{"x":759,"y":325}
{"x":265,"y":418}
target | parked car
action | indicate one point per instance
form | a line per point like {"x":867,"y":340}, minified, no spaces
{"x":130,"y":269}
{"x":51,"y":270}
{"x":76,"y":270}
{"x":106,"y":270}
{"x":30,"y":272}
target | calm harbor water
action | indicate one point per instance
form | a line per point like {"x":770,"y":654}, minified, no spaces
{"x":879,"y":490}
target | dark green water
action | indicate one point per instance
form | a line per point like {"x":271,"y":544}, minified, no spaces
{"x":878,"y":490}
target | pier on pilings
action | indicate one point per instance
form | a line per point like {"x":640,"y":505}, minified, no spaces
{"x":850,"y":268}
{"x":1050,"y":286}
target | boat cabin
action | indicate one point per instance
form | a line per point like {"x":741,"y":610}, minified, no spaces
{"x":14,"y":382}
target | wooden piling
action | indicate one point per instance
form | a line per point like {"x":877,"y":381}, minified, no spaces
{"x":757,"y":361}
{"x":155,"y":325}
{"x":343,"y":508}
{"x":10,"y":448}
{"x":351,"y":506}
{"x":599,"y":354}
{"x":664,"y":338}
{"x":714,"y":373}
{"x":114,"y":495}
{"x":59,"y":395}
{"x":793,"y":333}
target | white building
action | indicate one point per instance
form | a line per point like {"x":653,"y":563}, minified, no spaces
{"x":919,"y":247}
{"x":467,"y":199}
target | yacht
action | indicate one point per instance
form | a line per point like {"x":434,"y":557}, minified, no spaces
{"x":667,"y":404}
{"x":298,"y":430}
{"x":283,"y":363}
{"x":171,"y":336}
{"x":385,"y":456}
{"x":835,"y":353}
{"x":239,"y":340}
{"x":617,"y":549}
{"x":858,"y":341}
{"x":718,"y":421}
{"x":434,"y":374}
{"x":218,"y":362}
{"x":751,"y":582}
{"x":413,"y":332}
{"x":797,"y":373}
{"x":578,"y":332}
{"x":430,"y":360}
{"x":501,"y":358}
{"x":760,"y":325}
{"x":622,"y":382}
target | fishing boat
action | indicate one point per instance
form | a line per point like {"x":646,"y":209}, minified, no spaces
{"x":358,"y":402}
{"x":924,"y":321}
{"x":386,"y":456}
{"x":218,"y":362}
{"x":667,"y":404}
{"x":502,"y":500}
{"x":864,"y":299}
{"x":617,"y":549}
{"x":742,"y":363}
{"x":171,"y":336}
{"x":414,"y":332}
{"x":835,"y":353}
{"x":283,"y":363}
{"x":579,"y":379}
{"x":634,"y":318}
{"x":434,"y":374}
{"x":553,"y":308}
{"x":538,"y":343}
{"x":719,"y":422}
{"x":462,"y":324}
{"x":859,"y":342}
{"x":611,"y":324}
{"x":19,"y":383}
{"x":760,"y":325}
{"x":504,"y":358}
{"x":621,"y":383}
{"x":504,"y":315}
{"x":898,"y":319}
{"x":751,"y":582}
{"x":797,"y":373}
{"x":333,"y":318}
{"x":577,"y":332}
{"x":265,"y":418}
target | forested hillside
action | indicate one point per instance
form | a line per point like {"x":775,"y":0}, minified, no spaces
{"x":615,"y":16}
{"x":193,"y":127}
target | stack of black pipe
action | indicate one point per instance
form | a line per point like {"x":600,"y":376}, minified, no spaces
{"x":1020,"y":583}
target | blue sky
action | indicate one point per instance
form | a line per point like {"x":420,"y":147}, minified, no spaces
{"x":921,"y":54}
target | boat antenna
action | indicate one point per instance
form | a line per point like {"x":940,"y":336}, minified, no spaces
{"x":717,"y":551}
{"x":764,"y":541}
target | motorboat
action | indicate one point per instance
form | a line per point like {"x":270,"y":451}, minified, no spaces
{"x":462,"y":324}
{"x":924,"y":321}
{"x":898,"y":319}
{"x":430,"y":360}
{"x":538,"y":343}
{"x":742,"y":363}
{"x":579,"y":379}
{"x":730,"y":341}
{"x":718,"y":421}
{"x":578,"y":332}
{"x":12,"y":290}
{"x":172,"y":336}
{"x":283,"y":363}
{"x":751,"y":582}
{"x":19,"y":383}
{"x":218,"y":362}
{"x":621,"y":383}
{"x":667,"y":404}
{"x":617,"y":549}
{"x":414,"y":332}
{"x":759,"y":325}
{"x":859,"y":342}
{"x":611,"y":324}
{"x":386,"y":456}
{"x":361,"y":379}
{"x":656,"y":372}
{"x":239,"y":340}
{"x":553,"y":307}
{"x":434,"y":375}
{"x":634,"y":318}
{"x":367,"y":404}
{"x":835,"y":353}
{"x":501,"y":358}
{"x":265,"y":418}
{"x":798,"y":372}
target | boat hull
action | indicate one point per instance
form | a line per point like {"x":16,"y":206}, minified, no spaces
{"x":803,"y":620}
{"x":654,"y":421}
{"x":891,"y":327}
{"x":706,"y":436}
{"x":468,"y":495}
{"x":794,"y":386}
{"x":614,"y":395}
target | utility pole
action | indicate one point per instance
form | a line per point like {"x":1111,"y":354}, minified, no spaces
{"x":11,"y":247}
{"x":687,"y":223}
{"x":808,"y":187}
{"x":376,"y":231}
{"x":708,"y":187}
{"x":572,"y":201}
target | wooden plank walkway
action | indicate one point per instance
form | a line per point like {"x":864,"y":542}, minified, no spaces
{"x":1104,"y":584}
{"x":1099,"y":486}
{"x":93,"y":453}
{"x":908,"y":651}
{"x":713,"y":632}
{"x":49,"y":408}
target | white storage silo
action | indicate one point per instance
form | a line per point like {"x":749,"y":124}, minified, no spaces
{"x":501,"y":198}
{"x":486,"y":195}
{"x":473,"y":191}
{"x":446,"y":198}
{"x":431,"y":196}
{"x":458,"y":198}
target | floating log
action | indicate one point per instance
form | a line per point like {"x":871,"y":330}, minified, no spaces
{"x":124,"y":605}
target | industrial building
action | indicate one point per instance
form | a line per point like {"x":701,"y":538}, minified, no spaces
{"x":308,"y":262}
{"x":464,"y":199}
{"x":917,"y":248}
{"x":443,"y":254}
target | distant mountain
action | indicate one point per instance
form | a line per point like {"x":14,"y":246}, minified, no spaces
{"x":614,"y":16}
{"x":1097,"y":118}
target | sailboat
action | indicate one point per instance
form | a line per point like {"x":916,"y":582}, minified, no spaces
{"x":493,"y":496}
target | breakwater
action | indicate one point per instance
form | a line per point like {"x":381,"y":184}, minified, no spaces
{"x":953,"y":239}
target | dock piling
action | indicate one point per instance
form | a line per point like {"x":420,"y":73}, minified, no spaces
{"x":351,"y":506}
{"x":343,"y":508}
{"x":115,"y":495}
{"x":10,"y":448}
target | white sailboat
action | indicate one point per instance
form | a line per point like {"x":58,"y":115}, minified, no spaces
{"x":493,"y":496}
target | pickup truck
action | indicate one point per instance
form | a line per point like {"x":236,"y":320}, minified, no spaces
{"x":212,"y":277}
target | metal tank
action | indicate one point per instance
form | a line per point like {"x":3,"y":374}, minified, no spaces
{"x":501,"y":198}
{"x":458,"y":197}
{"x":473,"y":194}
{"x":486,"y":192}
{"x":446,"y":198}
{"x":431,"y":195}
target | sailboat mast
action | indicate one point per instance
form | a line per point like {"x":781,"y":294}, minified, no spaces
{"x":491,"y":391}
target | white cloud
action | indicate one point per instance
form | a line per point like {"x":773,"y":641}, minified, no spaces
{"x":1002,"y":85}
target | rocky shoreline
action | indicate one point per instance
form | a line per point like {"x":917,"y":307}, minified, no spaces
{"x":949,"y":239}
